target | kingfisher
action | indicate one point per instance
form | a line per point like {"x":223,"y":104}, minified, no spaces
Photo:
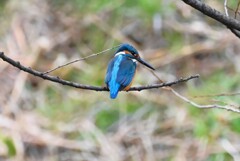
{"x":122,"y":68}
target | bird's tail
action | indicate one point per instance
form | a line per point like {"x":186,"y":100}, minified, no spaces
{"x":113,"y":95}
{"x":114,"y":91}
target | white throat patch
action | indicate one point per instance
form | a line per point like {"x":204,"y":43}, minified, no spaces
{"x":119,"y":53}
{"x":123,"y":53}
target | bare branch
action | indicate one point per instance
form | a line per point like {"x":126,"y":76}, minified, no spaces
{"x":231,"y":23}
{"x":227,"y":107}
{"x":86,"y":87}
{"x":167,"y":84}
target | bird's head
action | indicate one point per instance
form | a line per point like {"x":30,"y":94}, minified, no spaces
{"x":129,"y":51}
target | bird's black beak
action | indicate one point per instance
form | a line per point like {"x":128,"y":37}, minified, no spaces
{"x":145,"y":63}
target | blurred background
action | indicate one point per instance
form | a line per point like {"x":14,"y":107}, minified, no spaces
{"x":45,"y":121}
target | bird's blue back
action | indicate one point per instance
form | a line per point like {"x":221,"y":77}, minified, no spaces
{"x":120,"y":73}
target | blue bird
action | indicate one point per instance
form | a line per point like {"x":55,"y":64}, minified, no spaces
{"x":122,"y":68}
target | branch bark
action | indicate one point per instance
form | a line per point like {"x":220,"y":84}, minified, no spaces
{"x":207,"y":10}
{"x":82,"y":86}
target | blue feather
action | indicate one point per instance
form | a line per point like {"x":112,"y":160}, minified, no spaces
{"x":126,"y":72}
{"x":109,"y":71}
{"x":120,"y":73}
{"x":113,"y":85}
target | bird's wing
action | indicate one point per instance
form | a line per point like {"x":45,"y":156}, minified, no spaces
{"x":109,"y":70}
{"x":126,"y":72}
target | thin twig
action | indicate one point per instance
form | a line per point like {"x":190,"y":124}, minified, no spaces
{"x":225,"y":7}
{"x":86,"y":87}
{"x":235,"y":32}
{"x":218,"y":95}
{"x":230,"y":148}
{"x":236,"y":12}
{"x":77,"y":60}
{"x":225,"y":103}
{"x":227,"y":107}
